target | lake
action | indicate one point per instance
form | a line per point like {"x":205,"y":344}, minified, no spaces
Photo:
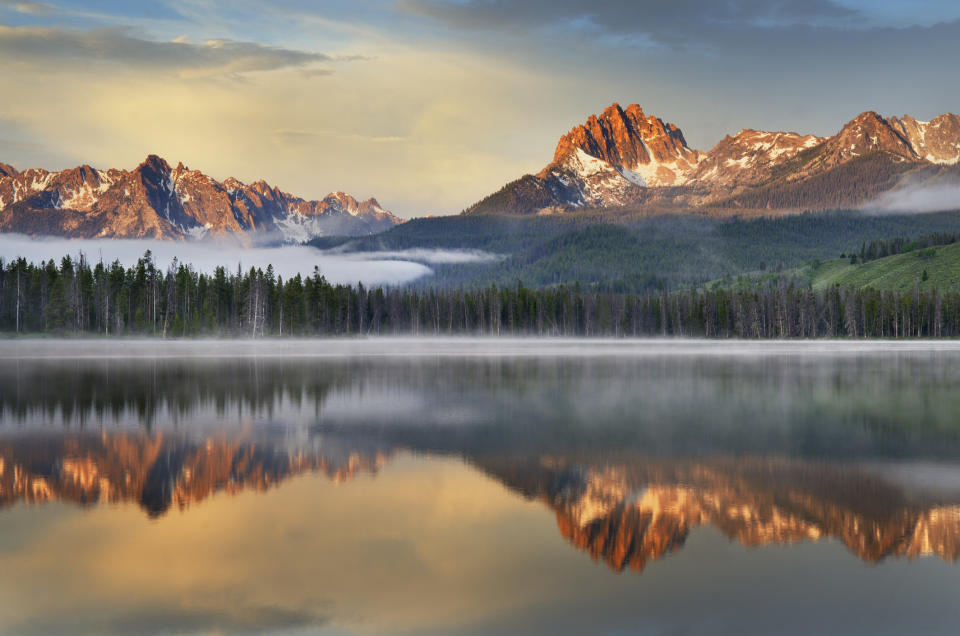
{"x":475,"y":486}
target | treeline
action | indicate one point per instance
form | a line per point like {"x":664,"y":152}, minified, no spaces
{"x":899,"y":245}
{"x":77,"y":297}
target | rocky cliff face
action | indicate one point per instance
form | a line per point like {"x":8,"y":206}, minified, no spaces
{"x":936,"y":141}
{"x":157,"y":201}
{"x":647,"y":151}
{"x":625,"y":158}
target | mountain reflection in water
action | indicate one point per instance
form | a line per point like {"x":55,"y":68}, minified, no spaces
{"x":630,"y":460}
{"x":624,"y":509}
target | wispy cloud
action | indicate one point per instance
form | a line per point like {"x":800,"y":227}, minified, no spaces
{"x":54,"y":48}
{"x":652,"y":18}
{"x":431,"y":256}
{"x":30,"y":8}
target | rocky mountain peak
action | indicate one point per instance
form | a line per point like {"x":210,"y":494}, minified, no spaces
{"x":625,"y":139}
{"x":6,"y":170}
{"x":866,"y":133}
{"x":602,"y":161}
{"x":233,"y":183}
{"x":155,"y":164}
{"x":264,"y":189}
{"x":341,"y":202}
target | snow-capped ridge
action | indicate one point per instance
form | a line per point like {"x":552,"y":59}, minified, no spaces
{"x":626,"y":158}
{"x":156,"y":200}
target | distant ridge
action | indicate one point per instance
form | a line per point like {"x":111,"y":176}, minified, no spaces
{"x":624,"y":158}
{"x":157,"y":201}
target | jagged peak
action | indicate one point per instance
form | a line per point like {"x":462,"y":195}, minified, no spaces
{"x":613,"y":110}
{"x":159,"y":201}
{"x":86,"y":170}
{"x":625,"y":139}
{"x":874,"y":116}
{"x":6,"y":170}
{"x":869,"y":114}
{"x":887,"y":138}
{"x":341,"y":197}
{"x":154,"y":162}
{"x":945,"y":117}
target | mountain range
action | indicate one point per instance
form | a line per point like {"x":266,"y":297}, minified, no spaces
{"x":158,"y":201}
{"x":625,"y":158}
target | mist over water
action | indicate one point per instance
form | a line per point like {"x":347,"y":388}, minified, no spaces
{"x":339,"y":267}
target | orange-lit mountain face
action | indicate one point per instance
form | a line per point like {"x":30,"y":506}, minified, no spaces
{"x":627,"y":159}
{"x":158,"y":201}
{"x":626,"y":512}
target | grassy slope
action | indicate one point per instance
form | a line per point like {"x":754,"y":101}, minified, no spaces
{"x":901,"y":272}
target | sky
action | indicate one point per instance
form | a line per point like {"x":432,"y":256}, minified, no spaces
{"x":429,"y":105}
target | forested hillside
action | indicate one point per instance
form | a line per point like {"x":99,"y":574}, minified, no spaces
{"x":640,"y":254}
{"x":858,"y":180}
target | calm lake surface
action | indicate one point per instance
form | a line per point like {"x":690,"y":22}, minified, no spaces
{"x":479,"y":486}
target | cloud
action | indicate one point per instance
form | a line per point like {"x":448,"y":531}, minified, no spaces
{"x":54,"y":49}
{"x":432,"y":256}
{"x":660,"y":21}
{"x":30,"y":8}
{"x":917,"y":198}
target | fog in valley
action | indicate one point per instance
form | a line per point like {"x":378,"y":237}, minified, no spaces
{"x":338,"y":266}
{"x":917,"y":199}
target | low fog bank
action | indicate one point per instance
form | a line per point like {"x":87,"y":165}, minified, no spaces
{"x":942,"y":197}
{"x":370,"y":268}
{"x":469,"y":347}
{"x":432,"y":256}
